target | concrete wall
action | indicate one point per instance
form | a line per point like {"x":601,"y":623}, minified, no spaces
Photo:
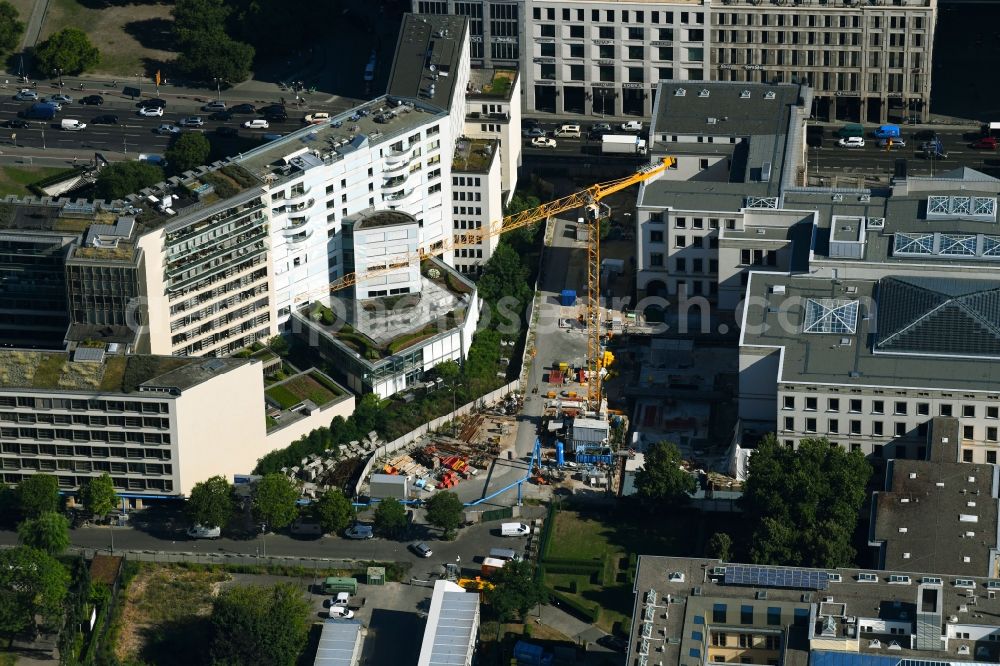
{"x":282,"y":437}
{"x":220,"y":427}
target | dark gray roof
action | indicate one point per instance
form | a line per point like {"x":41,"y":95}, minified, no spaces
{"x":945,"y":317}
{"x":917,"y":517}
{"x":733,"y":115}
{"x":775,"y":320}
{"x":428,"y":54}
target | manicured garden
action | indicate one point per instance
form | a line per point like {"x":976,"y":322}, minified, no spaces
{"x":312,"y":386}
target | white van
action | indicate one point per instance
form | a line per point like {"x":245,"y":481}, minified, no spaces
{"x":568,"y":131}
{"x":204,"y":532}
{"x":514,"y":529}
{"x":72,"y":125}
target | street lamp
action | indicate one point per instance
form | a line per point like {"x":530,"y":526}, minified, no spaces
{"x":218,"y":88}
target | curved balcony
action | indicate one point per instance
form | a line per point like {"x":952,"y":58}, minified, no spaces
{"x":394,"y":184}
{"x":296,"y":222}
{"x":396,"y":166}
{"x":396,"y":156}
{"x":298,"y":238}
{"x":402,"y":198}
{"x":293,"y":199}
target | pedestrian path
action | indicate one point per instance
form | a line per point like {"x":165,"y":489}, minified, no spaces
{"x":564,"y":623}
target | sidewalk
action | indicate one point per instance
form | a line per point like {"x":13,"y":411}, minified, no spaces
{"x":564,"y":623}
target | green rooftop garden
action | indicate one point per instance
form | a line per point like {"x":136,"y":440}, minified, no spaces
{"x":312,"y":386}
{"x":503,"y":79}
{"x":473,"y":158}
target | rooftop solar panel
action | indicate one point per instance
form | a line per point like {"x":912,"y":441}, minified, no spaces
{"x":758,"y":576}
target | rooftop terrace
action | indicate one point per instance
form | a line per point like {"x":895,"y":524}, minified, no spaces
{"x":490,"y":83}
{"x":106,"y":374}
{"x":157,"y":206}
{"x":474,"y":155}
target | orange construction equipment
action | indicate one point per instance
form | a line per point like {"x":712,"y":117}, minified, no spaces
{"x":594,"y":211}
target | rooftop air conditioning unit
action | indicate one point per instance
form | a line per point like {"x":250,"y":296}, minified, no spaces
{"x":769,"y":95}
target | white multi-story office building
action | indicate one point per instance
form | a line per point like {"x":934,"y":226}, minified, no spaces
{"x":867,"y":61}
{"x":477,"y":202}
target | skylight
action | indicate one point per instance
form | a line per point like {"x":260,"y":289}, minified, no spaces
{"x":830,"y":315}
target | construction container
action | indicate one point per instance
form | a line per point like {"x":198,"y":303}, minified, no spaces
{"x":567,"y":297}
{"x":529,"y":654}
{"x":335,"y":584}
{"x":389,"y":485}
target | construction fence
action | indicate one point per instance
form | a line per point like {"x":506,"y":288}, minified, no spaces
{"x":384,"y":450}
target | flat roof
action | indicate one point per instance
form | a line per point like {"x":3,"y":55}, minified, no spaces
{"x":339,"y":643}
{"x":58,"y":371}
{"x":835,"y":354}
{"x":474,"y":155}
{"x":726,"y":109}
{"x":373,"y":123}
{"x":691,"y":599}
{"x":491,"y":83}
{"x":428,"y":54}
{"x":54,"y":217}
{"x":374,"y":219}
{"x":919,"y":517}
{"x":452,"y":626}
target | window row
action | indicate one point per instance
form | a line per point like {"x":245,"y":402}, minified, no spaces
{"x":84,"y":466}
{"x":899,"y":407}
{"x":876,"y":428}
{"x":624,"y":16}
{"x":32,"y":402}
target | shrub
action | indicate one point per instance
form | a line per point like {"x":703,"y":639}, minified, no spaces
{"x":585,"y":611}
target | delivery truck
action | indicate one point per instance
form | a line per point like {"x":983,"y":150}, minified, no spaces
{"x":491,"y":564}
{"x":623,"y":144}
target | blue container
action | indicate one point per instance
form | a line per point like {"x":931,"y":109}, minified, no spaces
{"x":529,"y":654}
{"x":567,"y":297}
{"x":560,"y":454}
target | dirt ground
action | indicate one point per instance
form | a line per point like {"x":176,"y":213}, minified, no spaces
{"x":134,"y":39}
{"x":160,"y":601}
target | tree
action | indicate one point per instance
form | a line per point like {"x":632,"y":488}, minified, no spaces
{"x":274,"y":501}
{"x":802,"y":504}
{"x":49,"y":532}
{"x":279,"y":345}
{"x":68,"y":50}
{"x":123,"y":178}
{"x":333,"y":511}
{"x":31,"y":583}
{"x":516,"y":591}
{"x":11,"y":28}
{"x":259,"y":625}
{"x":661,"y":479}
{"x":446,"y":511}
{"x":720,"y":546}
{"x":211,"y":502}
{"x":190,"y":150}
{"x":206,"y":50}
{"x":390,"y":517}
{"x":38,"y":494}
{"x":98,"y":495}
{"x":504,"y":275}
{"x":520,"y":202}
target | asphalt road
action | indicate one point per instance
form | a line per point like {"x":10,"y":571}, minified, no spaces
{"x":828,"y":159}
{"x":135,"y":133}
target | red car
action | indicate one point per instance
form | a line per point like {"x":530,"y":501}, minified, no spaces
{"x":986,"y":143}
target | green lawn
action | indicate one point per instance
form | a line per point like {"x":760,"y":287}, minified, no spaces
{"x":15,"y":180}
{"x":611,"y":537}
{"x":306,"y":387}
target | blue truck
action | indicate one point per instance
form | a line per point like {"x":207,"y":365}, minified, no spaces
{"x":887,"y":132}
{"x":40,"y":111}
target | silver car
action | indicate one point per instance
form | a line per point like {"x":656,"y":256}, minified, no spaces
{"x":191,"y":121}
{"x":421,"y":549}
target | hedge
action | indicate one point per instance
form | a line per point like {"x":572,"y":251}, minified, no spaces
{"x":550,"y":520}
{"x":579,"y":561}
{"x":587,"y":612}
{"x":590,"y":570}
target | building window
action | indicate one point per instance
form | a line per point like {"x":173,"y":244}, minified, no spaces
{"x":992,"y":412}
{"x":746,"y":614}
{"x":900,"y":408}
{"x":855,"y":406}
{"x":656,"y":259}
{"x":945,"y":410}
{"x":833,"y":426}
{"x":991,"y":434}
{"x":811,"y":404}
{"x":833,"y":405}
{"x":855,"y":427}
{"x":718,"y":613}
{"x":719,"y":638}
{"x":789,"y":423}
{"x":680,"y":241}
{"x":774,"y":616}
{"x":877,"y":428}
{"x":702,"y":164}
{"x":877,"y":451}
{"x":991,"y":458}
{"x":680,"y":223}
{"x":680,"y":264}
{"x":878,"y":407}
{"x":968,"y":432}
{"x":969,"y":411}
{"x":810,"y":425}
{"x":746,"y":640}
{"x":655,"y":236}
{"x":900,"y":428}
{"x":923,"y":409}
{"x":966,"y":455}
{"x":606,"y":32}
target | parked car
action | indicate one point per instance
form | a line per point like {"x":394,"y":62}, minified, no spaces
{"x":226,"y":131}
{"x":153,"y":102}
{"x":851,"y":142}
{"x":167,"y":128}
{"x":94,"y":100}
{"x":314,"y":118}
{"x":256,"y":123}
{"x":532,"y":132}
{"x":421,"y":549}
{"x":204,"y":532}
{"x":985,"y":143}
{"x":360,"y":532}
{"x":26,"y":95}
{"x":221,"y":115}
{"x":632,"y":126}
{"x":62,"y":99}
{"x":891,"y":143}
{"x":17,"y":124}
{"x":543,"y":142}
{"x":341,"y":612}
{"x":151,"y":111}
{"x":108,"y":119}
{"x":243,"y":108}
{"x":613,"y":643}
{"x":191,"y":121}
{"x":214,"y":106}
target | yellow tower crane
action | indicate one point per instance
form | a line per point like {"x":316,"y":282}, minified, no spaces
{"x":589,"y":199}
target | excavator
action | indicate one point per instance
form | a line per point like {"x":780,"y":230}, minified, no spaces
{"x":590,"y":200}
